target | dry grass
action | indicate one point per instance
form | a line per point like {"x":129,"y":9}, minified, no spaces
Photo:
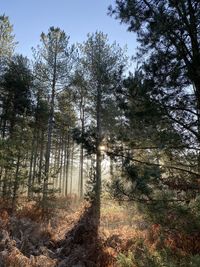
{"x":68,"y":237}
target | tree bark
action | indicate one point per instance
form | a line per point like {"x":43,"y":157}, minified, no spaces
{"x":67,"y":165}
{"x":98,"y":152}
{"x":48,"y":148}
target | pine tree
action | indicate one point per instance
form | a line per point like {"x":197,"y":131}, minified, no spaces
{"x":101,"y":62}
{"x":15,"y":137}
{"x":7,"y":43}
{"x":168,"y":34}
{"x":54,"y":62}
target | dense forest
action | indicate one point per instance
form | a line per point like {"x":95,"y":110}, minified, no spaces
{"x":100,"y":166}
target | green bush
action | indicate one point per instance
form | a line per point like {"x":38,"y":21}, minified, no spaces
{"x":125,"y":261}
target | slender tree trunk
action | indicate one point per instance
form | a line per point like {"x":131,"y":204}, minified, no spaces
{"x":72,"y":165}
{"x":67,"y":165}
{"x":41,"y":157}
{"x":55,"y":163}
{"x":82,"y":119}
{"x":35,"y":159}
{"x":98,"y":154}
{"x":58,"y":163}
{"x":61,"y":159}
{"x":5,"y":184}
{"x":82,"y":152}
{"x":63,"y":182}
{"x":31,"y":168}
{"x":16,"y":182}
{"x":81,"y":172}
{"x":49,"y":138}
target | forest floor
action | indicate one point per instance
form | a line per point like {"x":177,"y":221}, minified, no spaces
{"x":69,"y":236}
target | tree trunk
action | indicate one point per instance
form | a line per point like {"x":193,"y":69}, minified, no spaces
{"x":81,"y":173}
{"x":61,"y":158}
{"x":98,"y":153}
{"x":49,"y":136}
{"x":5,"y":184}
{"x":72,"y":165}
{"x":35,"y":159}
{"x":30,"y":169}
{"x":67,"y":165}
{"x":63,"y":182}
{"x":16,"y":182}
{"x":41,"y":157}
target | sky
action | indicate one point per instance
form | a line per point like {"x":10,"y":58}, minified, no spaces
{"x":75,"y":17}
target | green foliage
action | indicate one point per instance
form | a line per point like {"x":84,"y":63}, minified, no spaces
{"x":54,"y":56}
{"x":137,"y":182}
{"x":170,"y":72}
{"x":103,"y":66}
{"x":125,"y":261}
{"x":142,"y":257}
{"x":87,"y":139}
{"x":16,"y":83}
{"x":7,"y":43}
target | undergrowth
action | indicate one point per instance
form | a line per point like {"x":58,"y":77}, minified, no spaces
{"x":128,"y":237}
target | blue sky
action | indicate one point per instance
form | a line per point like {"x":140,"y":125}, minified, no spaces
{"x":75,"y":17}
